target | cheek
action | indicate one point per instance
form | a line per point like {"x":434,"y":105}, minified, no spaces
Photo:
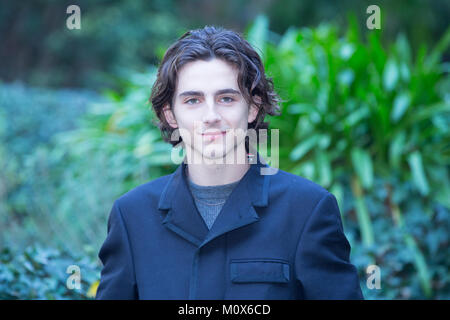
{"x":184,"y":119}
{"x":237,"y":117}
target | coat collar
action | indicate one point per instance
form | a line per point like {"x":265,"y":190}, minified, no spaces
{"x":184,"y":219}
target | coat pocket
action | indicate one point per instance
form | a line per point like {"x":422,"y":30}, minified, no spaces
{"x":259,"y":270}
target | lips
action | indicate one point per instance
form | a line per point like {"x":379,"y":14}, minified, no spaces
{"x":213,"y":133}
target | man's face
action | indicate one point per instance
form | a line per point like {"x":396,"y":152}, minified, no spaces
{"x":207,"y":99}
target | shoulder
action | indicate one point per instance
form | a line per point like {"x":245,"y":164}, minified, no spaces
{"x":307,"y":202}
{"x":296,"y":196}
{"x":295,"y":186}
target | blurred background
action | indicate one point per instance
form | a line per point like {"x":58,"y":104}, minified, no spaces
{"x":366,"y":115}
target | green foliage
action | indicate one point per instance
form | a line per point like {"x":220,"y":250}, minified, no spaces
{"x":113,"y":145}
{"x":38,"y":273}
{"x":41,"y":50}
{"x":29,"y":118}
{"x":357,"y":113}
{"x":61,"y":178}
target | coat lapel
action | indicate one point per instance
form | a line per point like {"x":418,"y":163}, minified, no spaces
{"x":184,"y":219}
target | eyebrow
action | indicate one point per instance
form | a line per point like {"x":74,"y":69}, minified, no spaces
{"x":200,"y":93}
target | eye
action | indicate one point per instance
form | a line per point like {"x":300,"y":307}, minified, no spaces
{"x":192,"y":101}
{"x":226,"y":99}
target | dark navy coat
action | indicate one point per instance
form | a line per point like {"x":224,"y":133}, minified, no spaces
{"x":277,"y":237}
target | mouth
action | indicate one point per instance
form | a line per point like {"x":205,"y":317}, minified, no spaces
{"x":213,"y":135}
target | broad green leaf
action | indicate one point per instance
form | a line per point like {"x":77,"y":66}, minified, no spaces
{"x":418,"y":173}
{"x":299,"y":108}
{"x":421,"y":265}
{"x":322,"y":100}
{"x":390,"y":75}
{"x":438,"y":50}
{"x":440,"y":173}
{"x":403,"y":49}
{"x":308,"y":170}
{"x":303,"y":147}
{"x":257,"y":34}
{"x":404,"y":71}
{"x":347,"y":51}
{"x":358,"y":115}
{"x":321,"y":64}
{"x":345,"y":77}
{"x":305,"y":125}
{"x":324,"y":141}
{"x":396,"y":148}
{"x":443,"y":196}
{"x":430,"y":111}
{"x":364,"y":221}
{"x":363,"y":165}
{"x":323,"y":168}
{"x":288,"y":40}
{"x":401,"y":104}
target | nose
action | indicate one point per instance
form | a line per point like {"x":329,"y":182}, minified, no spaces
{"x":211,"y":115}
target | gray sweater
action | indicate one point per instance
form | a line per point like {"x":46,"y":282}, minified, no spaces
{"x":210,"y":199}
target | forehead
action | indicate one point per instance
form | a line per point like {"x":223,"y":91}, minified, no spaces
{"x":207,"y":76}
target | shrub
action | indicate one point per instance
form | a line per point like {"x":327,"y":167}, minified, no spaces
{"x":44,"y":273}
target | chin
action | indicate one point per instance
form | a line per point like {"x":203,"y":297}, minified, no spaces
{"x":220,"y":154}
{"x":213,"y":152}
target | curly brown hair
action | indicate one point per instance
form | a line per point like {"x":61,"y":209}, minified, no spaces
{"x":205,"y":44}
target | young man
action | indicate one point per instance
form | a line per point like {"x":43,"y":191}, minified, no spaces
{"x":215,"y":228}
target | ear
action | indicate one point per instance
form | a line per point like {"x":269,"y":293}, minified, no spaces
{"x":170,"y":118}
{"x":253,"y":109}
